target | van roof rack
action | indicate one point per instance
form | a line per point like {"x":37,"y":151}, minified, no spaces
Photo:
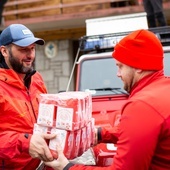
{"x":163,"y":33}
{"x":108,"y":41}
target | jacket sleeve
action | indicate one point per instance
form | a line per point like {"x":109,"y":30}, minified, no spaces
{"x":136,"y":145}
{"x":140,"y":126}
{"x":13,"y":144}
{"x":83,"y":167}
{"x":110,"y":135}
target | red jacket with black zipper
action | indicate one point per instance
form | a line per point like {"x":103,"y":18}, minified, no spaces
{"x":144,"y":129}
{"x":18,"y":112}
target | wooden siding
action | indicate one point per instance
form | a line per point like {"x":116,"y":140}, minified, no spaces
{"x":24,"y":9}
{"x":39,"y":12}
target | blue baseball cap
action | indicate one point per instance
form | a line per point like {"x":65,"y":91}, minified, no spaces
{"x":20,"y":35}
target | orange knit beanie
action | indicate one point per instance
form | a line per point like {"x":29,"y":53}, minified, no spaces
{"x":140,"y":49}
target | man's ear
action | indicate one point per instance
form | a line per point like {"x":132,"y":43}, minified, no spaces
{"x":3,"y":51}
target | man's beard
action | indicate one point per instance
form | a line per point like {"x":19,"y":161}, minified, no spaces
{"x":17,"y":66}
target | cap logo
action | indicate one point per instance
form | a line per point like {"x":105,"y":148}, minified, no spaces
{"x":26,"y":32}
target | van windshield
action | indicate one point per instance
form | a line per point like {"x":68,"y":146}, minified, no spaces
{"x":99,"y":76}
{"x":167,"y":63}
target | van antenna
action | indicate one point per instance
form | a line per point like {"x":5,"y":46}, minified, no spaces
{"x":72,"y":71}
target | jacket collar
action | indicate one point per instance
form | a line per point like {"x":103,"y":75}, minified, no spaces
{"x":11,"y":77}
{"x":145,"y":81}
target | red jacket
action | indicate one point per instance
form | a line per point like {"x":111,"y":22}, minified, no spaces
{"x":144,"y":129}
{"x":18,"y":113}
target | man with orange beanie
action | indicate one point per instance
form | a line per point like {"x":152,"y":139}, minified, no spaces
{"x":144,"y":128}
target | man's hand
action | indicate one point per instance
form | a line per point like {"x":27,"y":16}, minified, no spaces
{"x":38,"y":147}
{"x":60,"y":162}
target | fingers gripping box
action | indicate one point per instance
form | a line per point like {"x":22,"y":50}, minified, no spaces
{"x":65,"y":139}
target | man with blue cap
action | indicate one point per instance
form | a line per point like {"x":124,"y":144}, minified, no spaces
{"x":20,"y":86}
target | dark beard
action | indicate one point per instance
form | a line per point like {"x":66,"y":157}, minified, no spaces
{"x":17,"y":66}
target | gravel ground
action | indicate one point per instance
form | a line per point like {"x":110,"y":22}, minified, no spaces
{"x":86,"y":159}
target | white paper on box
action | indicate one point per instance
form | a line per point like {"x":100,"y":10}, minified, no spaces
{"x":60,"y":139}
{"x":45,"y":114}
{"x":64,"y":118}
{"x":39,"y":129}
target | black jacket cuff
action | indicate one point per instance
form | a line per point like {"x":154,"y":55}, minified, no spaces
{"x":68,"y":166}
{"x":99,"y":136}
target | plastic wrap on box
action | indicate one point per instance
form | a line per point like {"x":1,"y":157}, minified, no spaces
{"x":64,"y":139}
{"x":76,"y":144}
{"x":83,"y":141}
{"x":85,"y":99}
{"x":66,"y":110}
{"x":89,"y":135}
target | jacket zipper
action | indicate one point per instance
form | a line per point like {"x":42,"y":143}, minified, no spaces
{"x":35,"y":117}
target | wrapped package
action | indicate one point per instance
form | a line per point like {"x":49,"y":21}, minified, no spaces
{"x":69,"y":116}
{"x":66,"y":110}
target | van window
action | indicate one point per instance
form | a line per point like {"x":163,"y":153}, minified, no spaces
{"x":167,"y":63}
{"x":100,"y":75}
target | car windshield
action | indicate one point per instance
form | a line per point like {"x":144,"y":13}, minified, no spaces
{"x":99,"y":77}
{"x":167,"y":63}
